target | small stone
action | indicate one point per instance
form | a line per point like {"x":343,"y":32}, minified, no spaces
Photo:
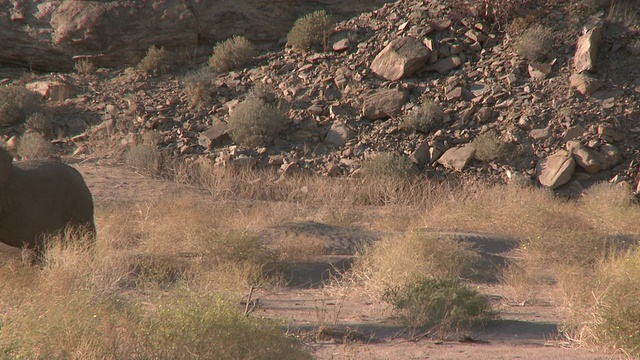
{"x":584,"y":157}
{"x":338,"y":135}
{"x":420,"y":154}
{"x":540,"y":134}
{"x":446,"y":64}
{"x":585,"y":84}
{"x":341,"y":45}
{"x":457,"y":158}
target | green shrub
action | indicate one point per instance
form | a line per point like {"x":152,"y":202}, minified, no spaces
{"x":232,"y":54}
{"x":255,"y":123}
{"x":425,"y":118}
{"x":34,"y":145}
{"x":388,"y":164}
{"x":157,"y":60}
{"x":17,"y":103}
{"x":535,"y":43}
{"x":489,"y":147}
{"x":311,"y":31}
{"x":84,"y":67}
{"x":439,"y":306}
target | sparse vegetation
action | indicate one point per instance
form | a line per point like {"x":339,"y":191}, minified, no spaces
{"x":39,"y":122}
{"x":33,"y":145}
{"x":232,"y":54}
{"x":255,"y":123}
{"x":17,"y":104}
{"x":489,"y":147}
{"x":535,"y":43}
{"x":197,"y":87}
{"x":438,"y":306}
{"x":312,"y":31}
{"x":84,"y":67}
{"x":388,"y":164}
{"x":145,"y":158}
{"x":427,"y":117}
{"x":157,"y":60}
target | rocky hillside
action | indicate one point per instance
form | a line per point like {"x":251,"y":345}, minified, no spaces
{"x":546,"y":91}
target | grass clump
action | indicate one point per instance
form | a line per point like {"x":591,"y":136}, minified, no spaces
{"x":197,"y":87}
{"x":255,"y":123}
{"x":388,"y":164}
{"x":535,"y":43}
{"x":403,"y":258}
{"x":39,"y":122}
{"x":489,"y":147}
{"x":439,"y":306}
{"x":311,"y":31}
{"x":232,"y":54}
{"x":145,"y":159}
{"x":157,"y":60}
{"x":17,"y":103}
{"x":33,"y":145}
{"x":84,"y":67}
{"x":425,"y":118}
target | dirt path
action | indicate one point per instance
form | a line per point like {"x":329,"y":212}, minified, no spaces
{"x":521,"y":332}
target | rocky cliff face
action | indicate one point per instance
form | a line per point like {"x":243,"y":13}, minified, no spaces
{"x":49,"y":35}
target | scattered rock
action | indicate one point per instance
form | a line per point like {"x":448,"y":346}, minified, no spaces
{"x":585,"y":84}
{"x":584,"y":157}
{"x":556,"y":169}
{"x":401,"y":58}
{"x":457,"y":158}
{"x":587,"y":49}
{"x":384,"y":103}
{"x":338,"y":135}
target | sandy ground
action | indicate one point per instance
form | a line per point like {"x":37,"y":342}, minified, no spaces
{"x":364,"y":328}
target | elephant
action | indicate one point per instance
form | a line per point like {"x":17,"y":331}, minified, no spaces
{"x":39,"y":198}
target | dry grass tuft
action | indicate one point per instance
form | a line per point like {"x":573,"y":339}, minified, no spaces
{"x":489,"y":147}
{"x":427,"y":117}
{"x":156,"y":61}
{"x":197,"y":87}
{"x":84,"y":67}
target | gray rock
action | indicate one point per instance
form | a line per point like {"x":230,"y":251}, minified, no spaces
{"x":215,"y":133}
{"x":401,"y":58}
{"x":420,"y":154}
{"x":585,"y":84}
{"x":339,"y":134}
{"x":384,"y":103}
{"x":446,"y":64}
{"x":584,"y":157}
{"x":556,"y":169}
{"x":587,"y":49}
{"x":457,"y":158}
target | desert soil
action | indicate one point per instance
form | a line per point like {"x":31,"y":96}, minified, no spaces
{"x":358,"y":327}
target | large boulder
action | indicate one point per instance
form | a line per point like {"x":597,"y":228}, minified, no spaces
{"x":556,"y":169}
{"x":401,"y":58}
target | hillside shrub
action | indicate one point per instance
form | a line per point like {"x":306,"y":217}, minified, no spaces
{"x":388,"y":164}
{"x":17,"y":103}
{"x":156,"y":61}
{"x":311,"y":31}
{"x":535,"y":43}
{"x":255,"y":123}
{"x":33,"y":145}
{"x":489,"y":147}
{"x":425,"y":118}
{"x":232,"y":54}
{"x":84,"y":67}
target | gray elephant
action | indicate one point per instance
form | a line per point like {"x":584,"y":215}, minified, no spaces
{"x":38,"y":198}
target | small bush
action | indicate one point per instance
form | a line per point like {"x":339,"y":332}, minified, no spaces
{"x":84,"y":67}
{"x":404,"y":258}
{"x":439,"y":306}
{"x":388,"y":164}
{"x":311,"y":31}
{"x":144,"y":158}
{"x":157,"y":60}
{"x":38,"y":122}
{"x":197,"y":87}
{"x":425,"y":118}
{"x":489,"y":147}
{"x":255,"y":123}
{"x":17,"y":103}
{"x":535,"y":43}
{"x":34,"y":145}
{"x":232,"y":54}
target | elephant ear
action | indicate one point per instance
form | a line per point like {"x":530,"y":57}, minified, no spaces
{"x":5,"y":167}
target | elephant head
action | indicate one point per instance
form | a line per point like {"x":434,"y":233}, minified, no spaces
{"x":40,"y":198}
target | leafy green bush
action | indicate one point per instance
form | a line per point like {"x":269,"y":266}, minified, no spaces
{"x":232,"y":54}
{"x":255,"y":123}
{"x":535,"y":43}
{"x":425,"y":118}
{"x":311,"y":31}
{"x":17,"y":103}
{"x":489,"y":147}
{"x":388,"y":164}
{"x":157,"y":60}
{"x":439,"y":306}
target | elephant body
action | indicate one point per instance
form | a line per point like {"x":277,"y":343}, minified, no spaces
{"x":39,"y":198}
